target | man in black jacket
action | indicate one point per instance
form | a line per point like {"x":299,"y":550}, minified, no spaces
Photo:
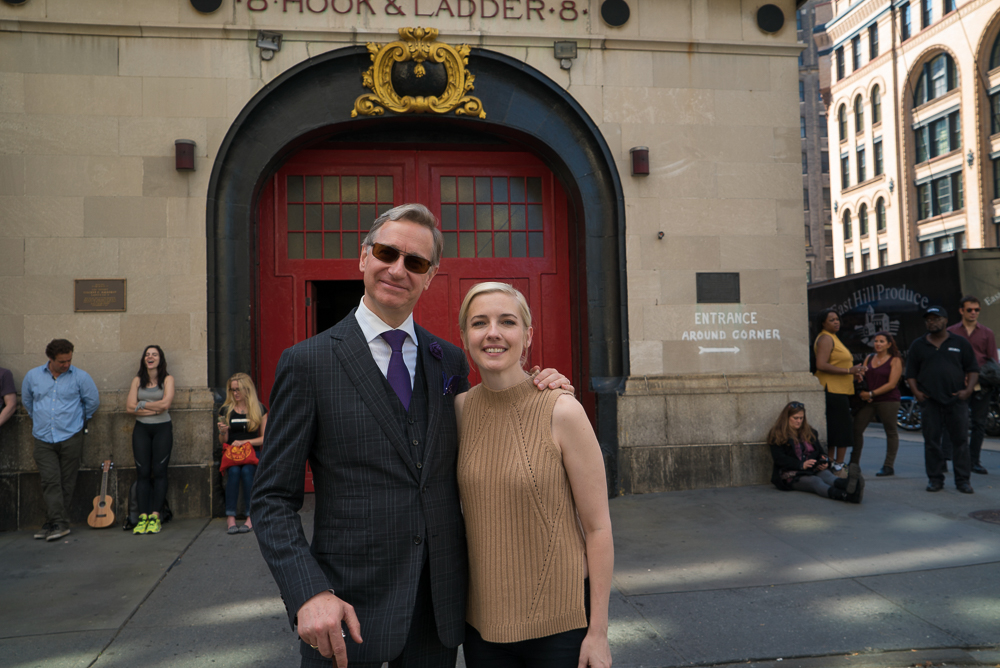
{"x":942,"y":372}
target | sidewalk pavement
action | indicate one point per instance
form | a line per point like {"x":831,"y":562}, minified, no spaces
{"x":739,"y":576}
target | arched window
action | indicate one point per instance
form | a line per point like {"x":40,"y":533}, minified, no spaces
{"x":847,"y":225}
{"x":863,"y":220}
{"x":842,"y":121}
{"x":859,"y":115}
{"x":880,"y":215}
{"x":876,"y":106}
{"x":995,"y":54}
{"x":938,"y":76}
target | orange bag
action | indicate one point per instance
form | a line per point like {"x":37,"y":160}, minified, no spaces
{"x":237,"y":455}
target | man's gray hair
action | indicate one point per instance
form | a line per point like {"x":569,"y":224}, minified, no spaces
{"x":414,"y":213}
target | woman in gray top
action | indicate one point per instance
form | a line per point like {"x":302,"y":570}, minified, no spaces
{"x":149,"y":400}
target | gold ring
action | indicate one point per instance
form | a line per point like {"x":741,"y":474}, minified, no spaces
{"x":314,"y":646}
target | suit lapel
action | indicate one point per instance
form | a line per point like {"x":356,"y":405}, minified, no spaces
{"x":435,"y":398}
{"x":356,"y":358}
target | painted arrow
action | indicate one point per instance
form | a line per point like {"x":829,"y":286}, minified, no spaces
{"x":702,"y":351}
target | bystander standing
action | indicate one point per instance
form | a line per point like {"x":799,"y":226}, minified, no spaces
{"x":941,"y":371}
{"x":985,"y":346}
{"x":60,"y":398}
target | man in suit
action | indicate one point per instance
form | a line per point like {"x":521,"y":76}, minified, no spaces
{"x":370,"y":405}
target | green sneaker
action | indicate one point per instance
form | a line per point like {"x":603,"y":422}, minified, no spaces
{"x":153,"y":525}
{"x":142,"y":526}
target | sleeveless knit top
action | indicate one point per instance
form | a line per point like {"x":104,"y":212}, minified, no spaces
{"x":877,"y":376}
{"x":839,"y":356}
{"x":151,"y":394}
{"x":526,"y":552}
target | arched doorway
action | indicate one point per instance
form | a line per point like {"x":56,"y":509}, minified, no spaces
{"x":310,"y":105}
{"x":503,"y":216}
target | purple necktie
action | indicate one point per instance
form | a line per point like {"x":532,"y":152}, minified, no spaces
{"x":397,"y":374}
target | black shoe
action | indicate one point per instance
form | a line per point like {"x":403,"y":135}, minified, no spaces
{"x":837,"y":494}
{"x":965,"y":488}
{"x":57,"y":532}
{"x":935,"y":486}
{"x":855,"y":484}
{"x":980,"y":469}
{"x":43,"y":532}
{"x":885,"y":471}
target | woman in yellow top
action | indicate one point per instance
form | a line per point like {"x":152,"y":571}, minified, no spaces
{"x":534,"y":496}
{"x":835,"y":371}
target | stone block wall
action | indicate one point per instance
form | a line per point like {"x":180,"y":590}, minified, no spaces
{"x":693,"y":432}
{"x":192,"y":475}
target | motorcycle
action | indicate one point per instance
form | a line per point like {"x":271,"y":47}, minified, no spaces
{"x":908,"y":416}
{"x":993,"y":416}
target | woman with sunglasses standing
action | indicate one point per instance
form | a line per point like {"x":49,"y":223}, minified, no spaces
{"x":884,"y":370}
{"x":149,"y":399}
{"x":836,"y":374}
{"x":533,"y":490}
{"x":800,"y":461}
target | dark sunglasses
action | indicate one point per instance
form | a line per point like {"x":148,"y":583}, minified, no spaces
{"x":969,"y":309}
{"x":796,"y":405}
{"x":413,"y":263}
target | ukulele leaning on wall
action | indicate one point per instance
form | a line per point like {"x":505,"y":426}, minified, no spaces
{"x":102,"y":516}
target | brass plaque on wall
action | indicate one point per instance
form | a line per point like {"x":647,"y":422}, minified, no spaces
{"x":99,"y":294}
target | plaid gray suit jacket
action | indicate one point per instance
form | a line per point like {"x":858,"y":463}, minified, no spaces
{"x":377,"y":510}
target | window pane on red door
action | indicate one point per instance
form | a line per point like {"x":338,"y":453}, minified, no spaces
{"x":486,"y":216}
{"x":335,"y":212}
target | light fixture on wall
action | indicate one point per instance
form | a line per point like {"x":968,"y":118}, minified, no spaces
{"x":206,"y":6}
{"x":565,"y":53}
{"x":835,"y":207}
{"x":640,"y":160}
{"x":184,"y":155}
{"x":970,"y":157}
{"x":770,"y":18}
{"x":269,"y":43}
{"x":892,"y":184}
{"x":615,"y":12}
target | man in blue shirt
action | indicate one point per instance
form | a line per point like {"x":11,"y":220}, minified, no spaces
{"x":59,"y":398}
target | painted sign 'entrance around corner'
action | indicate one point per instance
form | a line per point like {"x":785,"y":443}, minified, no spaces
{"x":720,"y":327}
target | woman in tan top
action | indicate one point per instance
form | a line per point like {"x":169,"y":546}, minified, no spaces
{"x":835,"y":372}
{"x":532,"y":483}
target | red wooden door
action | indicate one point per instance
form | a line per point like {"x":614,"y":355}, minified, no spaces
{"x":503,"y":216}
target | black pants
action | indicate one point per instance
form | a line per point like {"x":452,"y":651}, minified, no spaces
{"x":951,"y":419}
{"x":151,"y":446}
{"x":839,"y":422}
{"x":560,"y":650}
{"x":979,"y":408}
{"x":423,"y":648}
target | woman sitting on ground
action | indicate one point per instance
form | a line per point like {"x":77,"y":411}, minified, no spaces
{"x":800,"y":462}
{"x":882,"y":398}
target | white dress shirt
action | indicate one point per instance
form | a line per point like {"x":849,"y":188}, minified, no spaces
{"x":372,"y":327}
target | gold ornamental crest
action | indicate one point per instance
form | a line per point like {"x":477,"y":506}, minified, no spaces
{"x":418,"y":75}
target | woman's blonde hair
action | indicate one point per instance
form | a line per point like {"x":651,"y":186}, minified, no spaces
{"x":485,"y":289}
{"x":249,"y":392}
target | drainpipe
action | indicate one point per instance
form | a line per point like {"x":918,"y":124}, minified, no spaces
{"x":904,"y":237}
